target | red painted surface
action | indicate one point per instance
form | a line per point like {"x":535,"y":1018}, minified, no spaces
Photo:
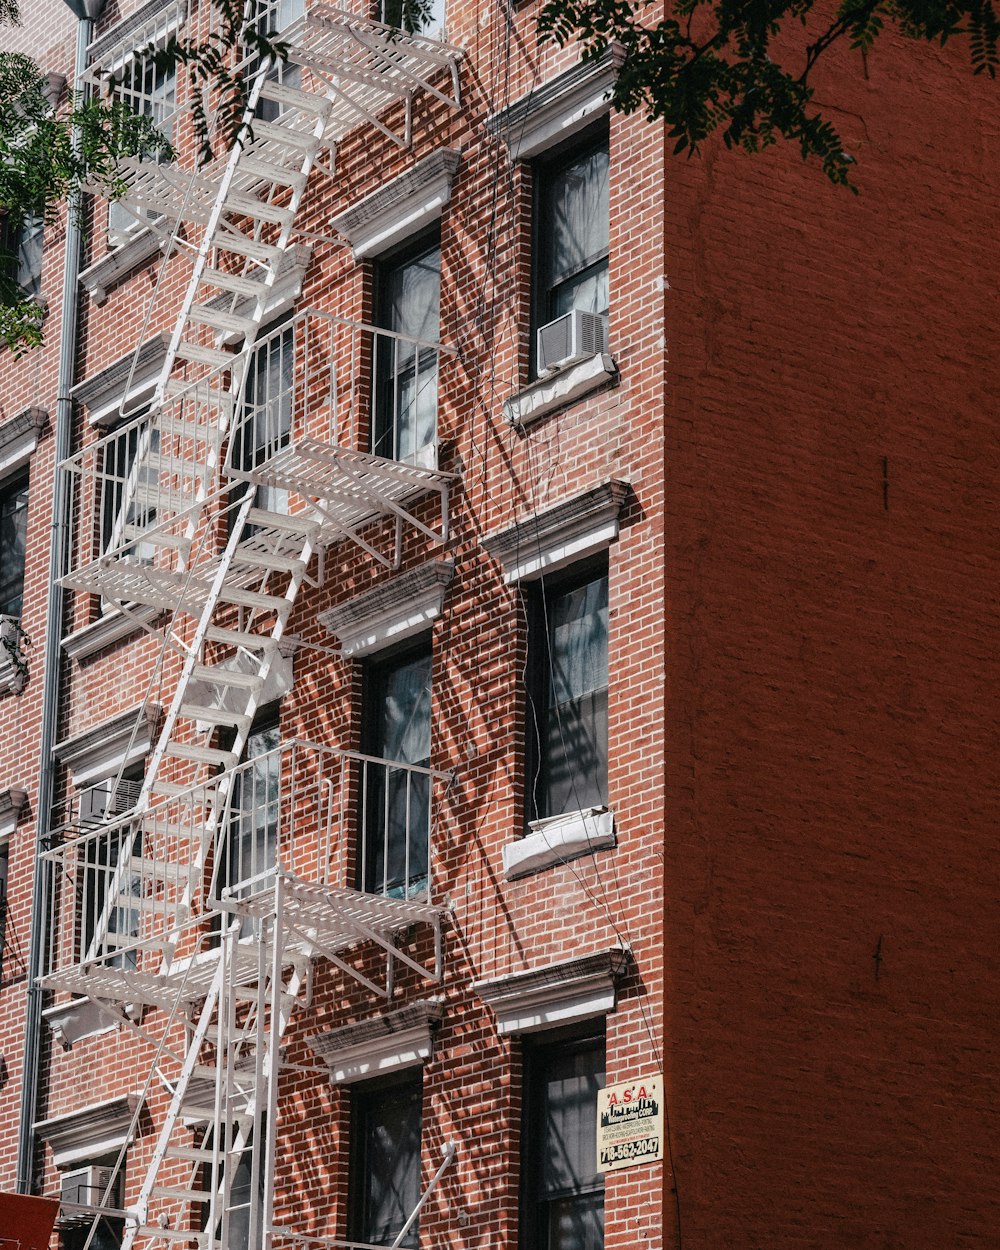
{"x":832,"y":543}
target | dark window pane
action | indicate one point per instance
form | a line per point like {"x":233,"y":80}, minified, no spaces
{"x":385,"y":1173}
{"x":13,"y":532}
{"x":570,"y":698}
{"x":563,"y":1193}
{"x":405,"y":384}
{"x":573,"y":219}
{"x":252,"y":841}
{"x":128,"y":488}
{"x":397,"y":801}
{"x":266,"y":421}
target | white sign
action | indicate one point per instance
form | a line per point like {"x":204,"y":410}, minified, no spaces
{"x":630,"y":1123}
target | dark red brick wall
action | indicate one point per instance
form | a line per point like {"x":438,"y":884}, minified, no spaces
{"x":831,"y":871}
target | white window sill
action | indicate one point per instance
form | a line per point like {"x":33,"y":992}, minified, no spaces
{"x":556,"y":390}
{"x":558,"y":839}
{"x":110,"y":628}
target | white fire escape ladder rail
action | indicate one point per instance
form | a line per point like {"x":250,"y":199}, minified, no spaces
{"x":244,"y":1022}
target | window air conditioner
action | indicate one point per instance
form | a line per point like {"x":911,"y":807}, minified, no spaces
{"x":577,"y":335}
{"x":84,"y":1187}
{"x":97,"y":804}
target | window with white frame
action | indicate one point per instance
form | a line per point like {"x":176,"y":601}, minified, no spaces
{"x":265,"y":420}
{"x":418,"y":17}
{"x":128,"y":485}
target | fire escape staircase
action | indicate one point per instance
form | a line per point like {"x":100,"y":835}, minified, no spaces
{"x":228,"y":611}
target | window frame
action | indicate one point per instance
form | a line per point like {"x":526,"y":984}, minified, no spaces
{"x":365,"y":1098}
{"x":545,"y":168}
{"x":123,"y":225}
{"x":384,"y":426}
{"x":11,"y":488}
{"x":539,"y":1053}
{"x":377,"y":669}
{"x":538,"y":598}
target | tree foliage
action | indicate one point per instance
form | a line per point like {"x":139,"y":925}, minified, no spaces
{"x":47,"y":152}
{"x":733,"y":67}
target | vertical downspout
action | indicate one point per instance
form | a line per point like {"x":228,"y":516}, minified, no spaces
{"x":87,"y":13}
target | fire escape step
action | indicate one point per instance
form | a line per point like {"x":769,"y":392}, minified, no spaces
{"x":289,"y":524}
{"x":260,"y":210}
{"x":287,"y":175}
{"x":242,"y":245}
{"x":221,"y":319}
{"x":269,"y":132}
{"x":201,"y":755}
{"x":225,"y":676}
{"x":213,"y":715}
{"x":302,"y":100}
{"x":268,"y":560}
{"x":204,"y":355}
{"x":253,"y":599}
{"x":239,"y":638}
{"x":236,"y":283}
{"x":181,"y":1195}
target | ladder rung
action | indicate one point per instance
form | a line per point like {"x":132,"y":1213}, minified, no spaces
{"x":209,"y":1073}
{"x":268,"y":560}
{"x":204,"y":355}
{"x":159,"y":869}
{"x":169,"y":789}
{"x":200,"y":755}
{"x":274,"y":171}
{"x":289,"y":524}
{"x":250,"y":206}
{"x":213,"y":715}
{"x":181,"y":1195}
{"x":169,"y":1234}
{"x":174,"y":466}
{"x":225,"y":676}
{"x":194,"y":1154}
{"x":195,"y":430}
{"x":200,"y":395}
{"x":220,"y":319}
{"x":237,"y":283}
{"x":271,"y":132}
{"x":156,"y":538}
{"x":293,"y":96}
{"x":232,"y":1034}
{"x":253,"y":599}
{"x":232,"y":241}
{"x":239,"y":638}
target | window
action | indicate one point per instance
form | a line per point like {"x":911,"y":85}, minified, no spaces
{"x":251,"y":846}
{"x":406,"y":372}
{"x":13,"y":533}
{"x":396,"y":799}
{"x":571,"y":233}
{"x":562,"y":1193}
{"x":271,"y":18}
{"x":567,"y":714}
{"x":384,"y":1183}
{"x":266,"y":418}
{"x":421,"y":17}
{"x":21,"y":256}
{"x":4,"y":873}
{"x":246,"y":1190}
{"x":108,"y":922}
{"x":149,"y":91}
{"x":128,"y":487}
{"x":87,"y":1186}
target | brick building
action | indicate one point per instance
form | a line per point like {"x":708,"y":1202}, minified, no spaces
{"x":445,"y":722}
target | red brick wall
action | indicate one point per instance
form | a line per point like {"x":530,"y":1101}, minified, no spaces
{"x":831,"y":672}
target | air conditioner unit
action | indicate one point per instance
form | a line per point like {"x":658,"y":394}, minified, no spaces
{"x":577,"y":335}
{"x":85,"y":1187}
{"x":97,"y":805}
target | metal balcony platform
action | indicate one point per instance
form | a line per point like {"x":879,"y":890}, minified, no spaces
{"x":354,"y":489}
{"x":368,"y":66}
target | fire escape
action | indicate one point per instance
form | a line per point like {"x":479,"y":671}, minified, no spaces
{"x":196,"y":917}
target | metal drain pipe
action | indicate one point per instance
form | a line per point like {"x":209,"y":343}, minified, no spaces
{"x":87,"y":13}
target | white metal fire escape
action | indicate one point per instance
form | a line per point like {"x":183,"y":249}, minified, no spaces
{"x":214,"y":508}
